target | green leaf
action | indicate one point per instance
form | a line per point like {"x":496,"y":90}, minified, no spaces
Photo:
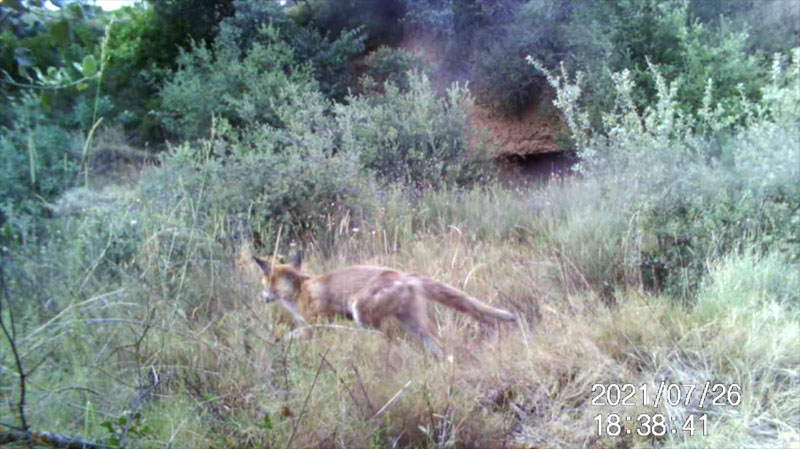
{"x":59,"y":32}
{"x":89,"y":67}
{"x":108,"y":426}
{"x":74,"y":11}
{"x":82,"y":86}
{"x":113,"y":441}
{"x":267,"y":424}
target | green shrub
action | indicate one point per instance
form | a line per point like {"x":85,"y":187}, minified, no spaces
{"x":415,"y":136}
{"x":393,"y":65}
{"x":630,"y":35}
{"x":37,"y":164}
{"x":500,"y":76}
{"x":265,"y":179}
{"x":380,"y":20}
{"x":773,"y":24}
{"x":133,"y":76}
{"x":724,"y":182}
{"x":487,"y":42}
{"x":246,"y":89}
{"x":432,"y":17}
{"x":329,"y":58}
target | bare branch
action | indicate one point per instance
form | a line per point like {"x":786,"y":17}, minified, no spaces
{"x":8,"y":435}
{"x":363,"y":390}
{"x":305,"y":403}
{"x":13,"y":343}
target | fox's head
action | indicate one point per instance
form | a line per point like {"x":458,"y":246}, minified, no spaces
{"x":281,"y":282}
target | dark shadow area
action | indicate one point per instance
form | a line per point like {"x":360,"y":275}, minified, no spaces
{"x":535,"y":168}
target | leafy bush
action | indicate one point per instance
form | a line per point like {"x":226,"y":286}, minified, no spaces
{"x":773,"y":24}
{"x":380,"y":20}
{"x":709,"y":186}
{"x":633,"y":34}
{"x":317,"y":167}
{"x":414,"y":136}
{"x":138,"y":63}
{"x":265,"y":177}
{"x":249,"y":89}
{"x":488,"y":41}
{"x":393,"y":65}
{"x":500,"y":76}
{"x":330,"y":59}
{"x":36,"y":163}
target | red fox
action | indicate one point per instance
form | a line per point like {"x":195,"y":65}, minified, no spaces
{"x":368,"y":295}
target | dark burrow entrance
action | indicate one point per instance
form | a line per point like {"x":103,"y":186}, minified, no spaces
{"x":535,"y":168}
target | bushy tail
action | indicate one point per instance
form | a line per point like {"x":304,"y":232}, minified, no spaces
{"x":456,"y":299}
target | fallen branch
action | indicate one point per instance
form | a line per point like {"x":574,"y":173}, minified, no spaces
{"x":8,"y":435}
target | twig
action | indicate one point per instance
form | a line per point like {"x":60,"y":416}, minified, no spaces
{"x":344,"y":384}
{"x":277,"y":244}
{"x":175,"y":433}
{"x":8,"y":435}
{"x":391,"y":401}
{"x":363,"y":390}
{"x":10,"y":426}
{"x":13,"y":343}
{"x":305,"y":403}
{"x":138,"y":402}
{"x":7,"y":79}
{"x":143,"y":392}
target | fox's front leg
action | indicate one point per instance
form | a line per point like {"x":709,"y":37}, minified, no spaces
{"x":305,"y":318}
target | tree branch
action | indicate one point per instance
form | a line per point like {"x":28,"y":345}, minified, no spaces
{"x":12,"y":341}
{"x":8,"y":435}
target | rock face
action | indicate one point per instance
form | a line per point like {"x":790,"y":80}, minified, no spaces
{"x":525,"y":148}
{"x":534,"y":132}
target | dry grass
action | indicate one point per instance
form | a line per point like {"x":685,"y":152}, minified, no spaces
{"x":221,"y":370}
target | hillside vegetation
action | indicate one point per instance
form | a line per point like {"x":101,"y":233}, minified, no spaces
{"x":148,"y":153}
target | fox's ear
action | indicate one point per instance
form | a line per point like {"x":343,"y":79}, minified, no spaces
{"x":298,"y":260}
{"x":266,"y":267}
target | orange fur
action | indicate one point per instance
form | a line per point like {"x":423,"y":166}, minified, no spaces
{"x":369,"y":295}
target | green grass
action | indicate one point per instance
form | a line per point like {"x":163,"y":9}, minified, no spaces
{"x":219,"y":369}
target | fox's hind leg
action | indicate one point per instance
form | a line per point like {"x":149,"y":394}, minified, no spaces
{"x":385,"y":298}
{"x":430,"y":342}
{"x":417,"y":325}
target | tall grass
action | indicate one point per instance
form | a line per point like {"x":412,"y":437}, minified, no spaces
{"x":146,"y":305}
{"x":218,"y":368}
